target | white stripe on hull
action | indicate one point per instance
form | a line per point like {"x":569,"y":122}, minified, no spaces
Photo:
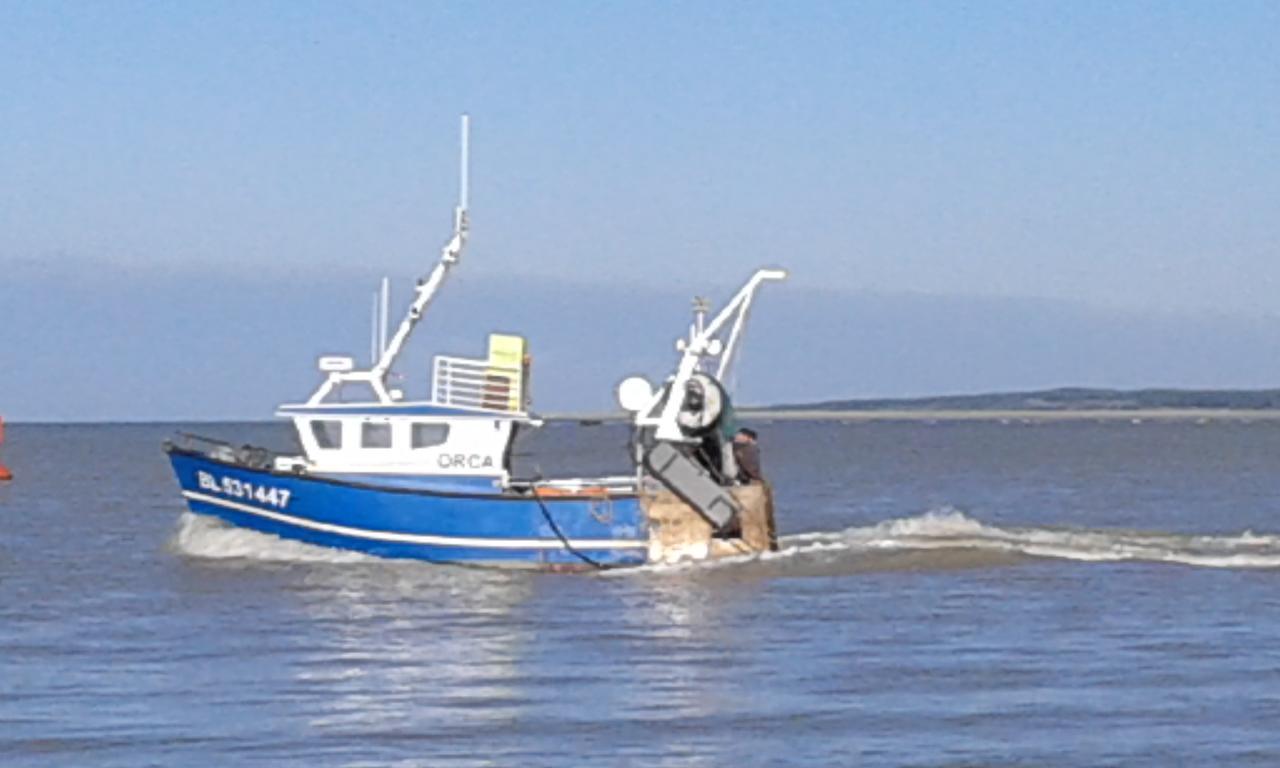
{"x":418,"y":538}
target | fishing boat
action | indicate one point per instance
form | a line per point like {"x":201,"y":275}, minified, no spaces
{"x":431,"y":480}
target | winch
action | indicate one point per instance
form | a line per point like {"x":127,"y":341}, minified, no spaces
{"x":683,"y":445}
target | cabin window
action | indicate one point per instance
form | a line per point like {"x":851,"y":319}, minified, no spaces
{"x":429,"y":435}
{"x":328,"y":434}
{"x":375,"y":434}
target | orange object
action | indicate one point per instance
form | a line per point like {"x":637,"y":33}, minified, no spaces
{"x":5,"y":474}
{"x":589,"y":491}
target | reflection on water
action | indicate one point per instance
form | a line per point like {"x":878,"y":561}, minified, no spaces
{"x":407,"y":647}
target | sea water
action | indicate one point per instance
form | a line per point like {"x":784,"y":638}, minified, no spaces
{"x":950,"y":594}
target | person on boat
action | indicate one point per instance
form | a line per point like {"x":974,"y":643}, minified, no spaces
{"x":746,"y":454}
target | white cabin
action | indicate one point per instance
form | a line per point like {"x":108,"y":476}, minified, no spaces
{"x":464,"y":431}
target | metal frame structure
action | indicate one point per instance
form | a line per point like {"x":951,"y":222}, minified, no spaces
{"x":704,"y":342}
{"x":376,"y":376}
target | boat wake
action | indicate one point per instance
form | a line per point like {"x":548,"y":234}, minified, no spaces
{"x":937,"y":540}
{"x":947,"y":539}
{"x":207,"y":538}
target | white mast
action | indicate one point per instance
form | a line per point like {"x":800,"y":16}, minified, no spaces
{"x":373,"y":332}
{"x":464,"y":170}
{"x":700,"y":309}
{"x":449,"y":256}
{"x":425,"y":290}
{"x":382,"y":317}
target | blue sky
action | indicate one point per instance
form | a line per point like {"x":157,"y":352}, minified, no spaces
{"x":1121,"y":160}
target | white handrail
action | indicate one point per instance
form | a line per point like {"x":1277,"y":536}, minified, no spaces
{"x":470,"y":383}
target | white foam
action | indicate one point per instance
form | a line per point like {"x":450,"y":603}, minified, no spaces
{"x":942,"y":530}
{"x":950,"y":530}
{"x":208,"y":538}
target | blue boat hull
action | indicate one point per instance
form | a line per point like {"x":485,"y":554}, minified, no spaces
{"x":468,"y":526}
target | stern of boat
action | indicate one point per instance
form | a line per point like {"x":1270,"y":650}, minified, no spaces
{"x":677,"y":531}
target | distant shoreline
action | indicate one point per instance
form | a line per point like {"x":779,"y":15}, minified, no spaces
{"x":956,"y":414}
{"x":1018,"y":415}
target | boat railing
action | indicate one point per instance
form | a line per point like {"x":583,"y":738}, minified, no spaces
{"x":570,"y":486}
{"x":470,"y":383}
{"x":246,"y":455}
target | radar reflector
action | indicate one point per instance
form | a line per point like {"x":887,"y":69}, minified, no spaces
{"x":635,"y":394}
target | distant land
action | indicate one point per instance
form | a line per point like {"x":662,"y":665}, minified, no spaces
{"x":1062,"y":404}
{"x":1062,"y":399}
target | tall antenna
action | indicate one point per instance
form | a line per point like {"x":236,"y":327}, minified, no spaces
{"x":449,"y":255}
{"x":387,"y":349}
{"x":373,"y":333}
{"x":700,"y":309}
{"x":383,"y":319}
{"x":464,"y":176}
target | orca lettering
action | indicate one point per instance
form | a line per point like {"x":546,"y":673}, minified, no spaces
{"x":464,"y":461}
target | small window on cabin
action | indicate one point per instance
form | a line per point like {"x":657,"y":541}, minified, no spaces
{"x":328,"y":434}
{"x":375,"y":434}
{"x":429,"y":435}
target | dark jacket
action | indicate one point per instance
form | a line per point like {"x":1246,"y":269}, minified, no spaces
{"x":747,"y":457}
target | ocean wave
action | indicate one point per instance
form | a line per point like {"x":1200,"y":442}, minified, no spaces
{"x":947,"y":539}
